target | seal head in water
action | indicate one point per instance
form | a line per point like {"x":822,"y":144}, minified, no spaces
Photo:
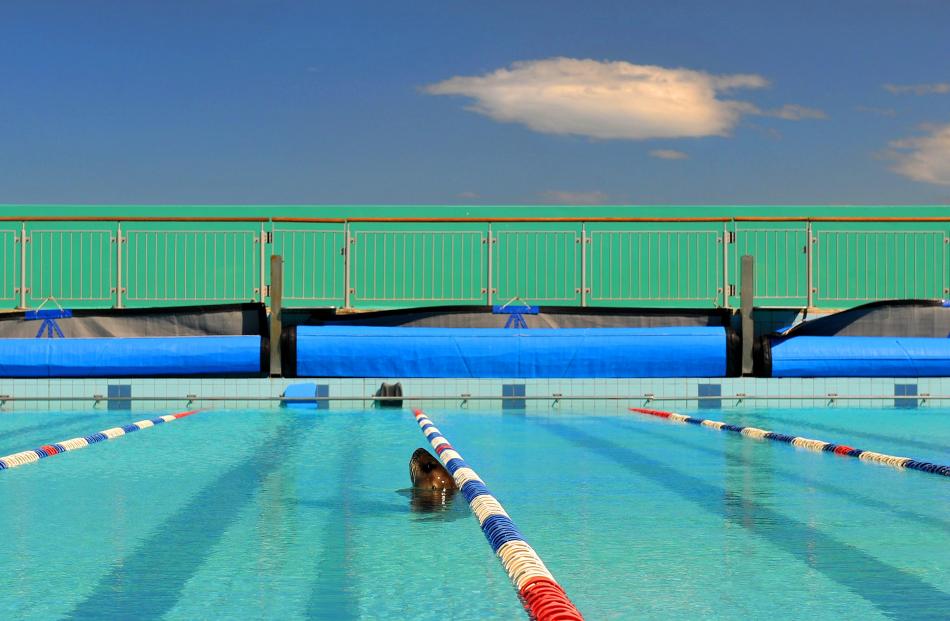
{"x":427,"y":473}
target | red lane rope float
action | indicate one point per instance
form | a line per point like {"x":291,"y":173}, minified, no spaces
{"x":542,"y":597}
{"x":48,"y":450}
{"x":806,"y":443}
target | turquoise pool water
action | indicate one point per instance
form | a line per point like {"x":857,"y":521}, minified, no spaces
{"x":297,"y":515}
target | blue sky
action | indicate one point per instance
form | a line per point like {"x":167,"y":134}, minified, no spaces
{"x":451,"y":102}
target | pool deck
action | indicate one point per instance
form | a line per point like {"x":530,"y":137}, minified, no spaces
{"x":513,"y":394}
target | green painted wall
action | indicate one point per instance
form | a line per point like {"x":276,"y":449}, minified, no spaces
{"x":119,"y":258}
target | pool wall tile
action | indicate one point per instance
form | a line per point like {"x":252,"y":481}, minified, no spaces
{"x":671,"y":393}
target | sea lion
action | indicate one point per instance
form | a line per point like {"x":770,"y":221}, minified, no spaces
{"x":432,"y":486}
{"x":427,"y":473}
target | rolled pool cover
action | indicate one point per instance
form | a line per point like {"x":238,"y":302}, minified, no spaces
{"x":858,"y":356}
{"x":132,"y":357}
{"x":394,"y":352}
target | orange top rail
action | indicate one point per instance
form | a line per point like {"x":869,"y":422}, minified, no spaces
{"x":471,"y":220}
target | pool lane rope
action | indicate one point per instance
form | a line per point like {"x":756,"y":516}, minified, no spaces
{"x":544,"y":599}
{"x":48,"y":450}
{"x":805,"y":443}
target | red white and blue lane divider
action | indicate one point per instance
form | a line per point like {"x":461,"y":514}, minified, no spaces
{"x":806,"y":443}
{"x":48,"y":450}
{"x":543,"y":597}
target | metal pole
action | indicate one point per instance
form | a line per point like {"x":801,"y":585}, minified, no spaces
{"x":490,"y":252}
{"x":23,"y":265}
{"x":118,"y":260}
{"x":263,"y":261}
{"x":276,"y":321}
{"x":346,"y":265}
{"x":469,"y":397}
{"x":725,"y":265}
{"x":583,"y":265}
{"x":747,"y":293}
{"x":809,"y":247}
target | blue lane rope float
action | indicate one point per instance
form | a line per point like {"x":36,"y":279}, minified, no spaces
{"x":544,"y":599}
{"x":806,"y":443}
{"x":48,"y":450}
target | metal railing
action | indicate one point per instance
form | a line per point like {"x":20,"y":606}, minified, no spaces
{"x":189,"y":266}
{"x":430,"y":266}
{"x":655,"y":266}
{"x":862,"y":266}
{"x":781,"y":262}
{"x":9,"y":264}
{"x":313,"y":264}
{"x":105,"y":263}
{"x":70,"y":264}
{"x":541,"y":266}
{"x":737,"y":399}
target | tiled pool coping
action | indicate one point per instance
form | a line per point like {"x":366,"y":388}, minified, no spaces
{"x":530,"y":394}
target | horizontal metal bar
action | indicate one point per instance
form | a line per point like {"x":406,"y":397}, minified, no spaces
{"x":130,"y":219}
{"x":475,"y":219}
{"x":496,"y":398}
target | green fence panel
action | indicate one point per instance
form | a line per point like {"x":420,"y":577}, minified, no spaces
{"x":655,"y":265}
{"x":9,"y":265}
{"x":780,"y":250}
{"x":71,"y":262}
{"x":854,"y":263}
{"x":313,"y":262}
{"x":417,"y":264}
{"x":537,"y":262}
{"x":182,"y":263}
{"x":677,"y":264}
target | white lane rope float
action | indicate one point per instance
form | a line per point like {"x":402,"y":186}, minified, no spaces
{"x":543,"y":598}
{"x":805,"y":443}
{"x":48,"y":450}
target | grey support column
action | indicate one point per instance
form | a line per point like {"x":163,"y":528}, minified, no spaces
{"x":276,"y":323}
{"x":746,"y":294}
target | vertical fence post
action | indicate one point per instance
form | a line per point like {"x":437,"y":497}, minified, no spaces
{"x":725,"y":264}
{"x":23,"y":265}
{"x":118,"y":262}
{"x":276,"y":302}
{"x":346,"y":265}
{"x":583,"y":264}
{"x":809,"y":248}
{"x":489,"y":244}
{"x":747,"y":293}
{"x":263,"y":257}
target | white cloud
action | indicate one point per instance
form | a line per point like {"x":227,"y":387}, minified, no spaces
{"x":888,"y":112}
{"x":924,"y":158}
{"x":468,"y":195}
{"x":612,"y":99}
{"x":794,"y":112}
{"x":594,"y":197}
{"x":668,"y":154}
{"x":935,"y":88}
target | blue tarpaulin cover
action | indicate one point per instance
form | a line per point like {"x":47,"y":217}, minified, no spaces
{"x":371,"y":351}
{"x":860,"y":356}
{"x":126,"y":357}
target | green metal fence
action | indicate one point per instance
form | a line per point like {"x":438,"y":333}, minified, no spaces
{"x":168,"y":263}
{"x":313,"y":262}
{"x":74,"y":263}
{"x":661,"y":264}
{"x":537,"y":262}
{"x":855,"y":264}
{"x":608,"y":259}
{"x":781,"y":261}
{"x":399,"y":265}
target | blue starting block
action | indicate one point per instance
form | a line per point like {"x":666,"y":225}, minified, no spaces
{"x":48,"y":317}
{"x":515,"y":314}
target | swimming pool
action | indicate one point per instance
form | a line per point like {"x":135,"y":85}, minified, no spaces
{"x":296,"y":514}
